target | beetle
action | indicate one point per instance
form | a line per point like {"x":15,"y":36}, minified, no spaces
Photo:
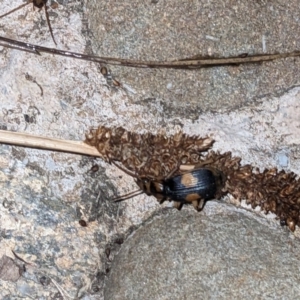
{"x":194,"y":187}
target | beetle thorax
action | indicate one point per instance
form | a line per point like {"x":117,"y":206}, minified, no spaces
{"x":153,"y":188}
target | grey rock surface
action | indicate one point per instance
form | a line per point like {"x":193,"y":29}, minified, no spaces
{"x":164,"y":30}
{"x":220,"y":253}
{"x":251,"y":110}
{"x":9,"y":270}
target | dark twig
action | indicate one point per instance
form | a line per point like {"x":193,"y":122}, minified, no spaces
{"x":49,"y":24}
{"x":189,"y":63}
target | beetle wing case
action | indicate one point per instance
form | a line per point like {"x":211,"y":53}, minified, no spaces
{"x":187,"y":187}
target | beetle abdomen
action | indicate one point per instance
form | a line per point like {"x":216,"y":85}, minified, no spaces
{"x":194,"y":185}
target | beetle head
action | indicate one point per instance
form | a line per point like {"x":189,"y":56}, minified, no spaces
{"x":145,"y":185}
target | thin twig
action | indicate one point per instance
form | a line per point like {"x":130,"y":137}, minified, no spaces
{"x":62,"y":291}
{"x":32,"y":141}
{"x":20,"y":258}
{"x":49,"y":24}
{"x":188,"y":63}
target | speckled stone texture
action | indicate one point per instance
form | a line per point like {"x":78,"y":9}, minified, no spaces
{"x":250,"y":110}
{"x":164,"y":30}
{"x":227,"y":254}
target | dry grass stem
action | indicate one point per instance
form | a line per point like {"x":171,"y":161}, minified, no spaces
{"x":40,"y":142}
{"x":194,"y":62}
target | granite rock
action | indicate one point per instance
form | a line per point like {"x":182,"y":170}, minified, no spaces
{"x":221,"y":253}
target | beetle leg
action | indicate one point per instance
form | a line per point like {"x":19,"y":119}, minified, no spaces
{"x":195,"y":204}
{"x":291,"y":223}
{"x":201,"y":204}
{"x":177,"y":204}
{"x":198,"y":204}
{"x":160,"y":198}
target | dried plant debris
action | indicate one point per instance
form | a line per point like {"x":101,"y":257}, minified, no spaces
{"x":194,"y":62}
{"x":272,"y":190}
{"x":157,"y":156}
{"x":147,"y":155}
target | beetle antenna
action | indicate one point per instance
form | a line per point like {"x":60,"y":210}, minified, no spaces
{"x":128,"y":196}
{"x":125,"y":170}
{"x":15,"y":9}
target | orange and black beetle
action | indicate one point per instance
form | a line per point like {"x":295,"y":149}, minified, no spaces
{"x":190,"y":187}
